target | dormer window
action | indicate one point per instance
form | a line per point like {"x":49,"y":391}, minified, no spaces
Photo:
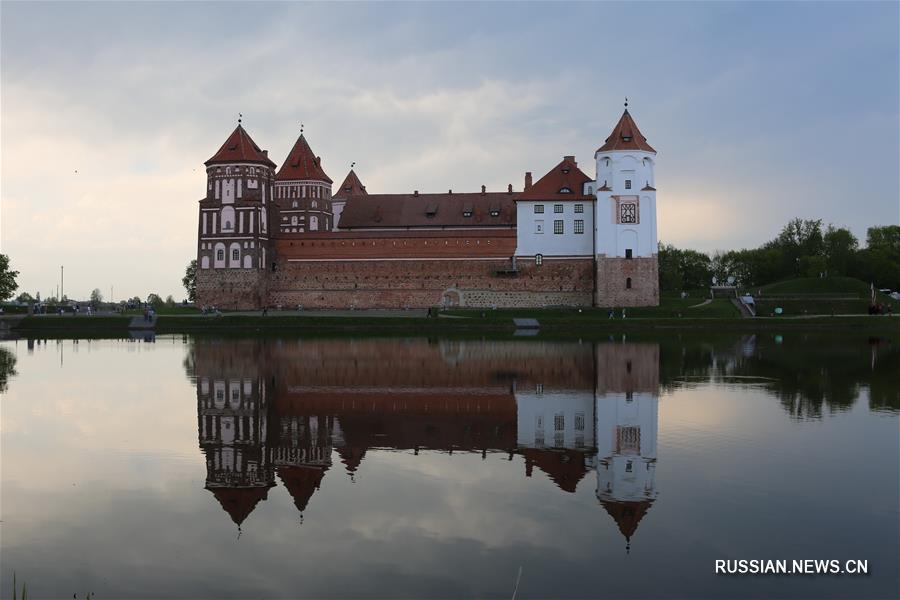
{"x":565,"y":170}
{"x":431,"y":210}
{"x":626,"y":138}
{"x":565,"y":190}
{"x":468,"y":209}
{"x":467,"y":213}
{"x":495,"y":213}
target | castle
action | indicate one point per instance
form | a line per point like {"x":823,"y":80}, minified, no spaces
{"x":271,"y":236}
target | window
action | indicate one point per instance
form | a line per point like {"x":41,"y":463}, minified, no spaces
{"x":220,"y":254}
{"x":557,"y":208}
{"x":628,"y":213}
{"x":558,"y":226}
{"x":539,"y":227}
{"x":565,"y":190}
{"x":559,"y":422}
{"x":628,"y":283}
{"x":628,"y":253}
{"x":314,"y":205}
{"x":467,"y":213}
{"x":627,"y":184}
{"x":579,"y":421}
{"x":235,"y":254}
{"x":538,"y":209}
{"x":579,"y":208}
{"x":495,"y":213}
{"x":294,"y":204}
{"x":579,"y":226}
{"x":227,"y":226}
{"x":538,"y":261}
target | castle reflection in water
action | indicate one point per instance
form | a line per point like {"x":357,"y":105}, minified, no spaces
{"x":286,"y":410}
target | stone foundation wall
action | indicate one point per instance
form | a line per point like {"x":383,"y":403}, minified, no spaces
{"x":612,"y":277}
{"x":425,"y":283}
{"x":231,"y":288}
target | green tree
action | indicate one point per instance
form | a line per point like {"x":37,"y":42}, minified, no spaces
{"x":96,"y":297}
{"x":885,"y":238}
{"x":170,"y":301}
{"x":25,"y":297}
{"x":840,"y":245}
{"x":8,"y":283}
{"x":189,"y":281}
{"x":154,"y":300}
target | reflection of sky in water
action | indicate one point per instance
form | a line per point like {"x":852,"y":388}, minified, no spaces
{"x":103,"y":479}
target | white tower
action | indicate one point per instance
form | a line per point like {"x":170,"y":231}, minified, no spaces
{"x":626,"y":236}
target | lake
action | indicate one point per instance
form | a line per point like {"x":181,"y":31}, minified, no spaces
{"x":199,"y":467}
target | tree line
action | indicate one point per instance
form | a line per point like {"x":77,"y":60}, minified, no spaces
{"x":804,"y":248}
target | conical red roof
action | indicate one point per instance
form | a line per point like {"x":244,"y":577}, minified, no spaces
{"x":564,"y":176}
{"x":240,"y":147}
{"x":239,"y":502}
{"x":301,"y":164}
{"x":627,"y":514}
{"x":352,"y":186}
{"x":626,"y":136}
{"x":302,"y":482}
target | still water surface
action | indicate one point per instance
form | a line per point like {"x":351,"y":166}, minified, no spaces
{"x":238,"y":468}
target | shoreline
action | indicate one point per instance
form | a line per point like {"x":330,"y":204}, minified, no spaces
{"x":552,"y":324}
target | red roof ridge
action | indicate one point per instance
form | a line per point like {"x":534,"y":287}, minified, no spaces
{"x":564,"y":176}
{"x":240,"y":147}
{"x":302,"y":164}
{"x":626,"y":136}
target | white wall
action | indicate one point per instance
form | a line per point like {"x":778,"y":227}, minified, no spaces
{"x":635,"y":416}
{"x":537,"y":419}
{"x":529,"y":242}
{"x":616,"y":169}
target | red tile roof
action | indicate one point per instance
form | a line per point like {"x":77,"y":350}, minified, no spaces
{"x":240,"y":502}
{"x":489,"y":209}
{"x":302,"y":482}
{"x":239,"y":148}
{"x":302,"y":164}
{"x":352,"y":186}
{"x":626,"y":136}
{"x":564,"y":176}
{"x":627,"y":514}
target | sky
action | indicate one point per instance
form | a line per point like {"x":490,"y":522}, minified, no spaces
{"x":759,"y":112}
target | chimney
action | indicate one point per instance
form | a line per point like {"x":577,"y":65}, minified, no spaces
{"x":449,"y":191}
{"x":509,"y":189}
{"x":266,"y":153}
{"x":483,"y":190}
{"x":571,"y":159}
{"x":527,"y":180}
{"x":318,"y":161}
{"x":416,"y":193}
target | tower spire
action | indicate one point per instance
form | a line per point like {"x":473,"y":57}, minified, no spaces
{"x":626,"y":102}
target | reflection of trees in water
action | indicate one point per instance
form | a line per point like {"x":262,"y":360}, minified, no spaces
{"x":7,"y":367}
{"x":810,"y":374}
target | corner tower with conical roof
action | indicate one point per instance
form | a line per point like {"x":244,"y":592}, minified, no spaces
{"x":351,"y":186}
{"x":303,"y":191}
{"x":626,"y":236}
{"x":233,"y":230}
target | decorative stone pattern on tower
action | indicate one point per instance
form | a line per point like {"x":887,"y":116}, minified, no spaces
{"x":233,"y":228}
{"x":626,"y":236}
{"x":303,"y":192}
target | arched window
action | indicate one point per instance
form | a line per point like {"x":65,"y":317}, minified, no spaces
{"x":538,"y":259}
{"x":220,"y":254}
{"x":314,"y":223}
{"x":628,"y":283}
{"x":294,"y":220}
{"x":590,"y":190}
{"x":565,"y":190}
{"x":294,"y":204}
{"x":227,"y":218}
{"x":236,"y":254}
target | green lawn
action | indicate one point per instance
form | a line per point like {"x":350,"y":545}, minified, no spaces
{"x":814,"y":295}
{"x":668,"y":308}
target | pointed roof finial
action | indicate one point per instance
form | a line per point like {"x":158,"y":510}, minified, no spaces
{"x":626,"y":102}
{"x":353,"y":164}
{"x":301,"y":128}
{"x":240,"y":117}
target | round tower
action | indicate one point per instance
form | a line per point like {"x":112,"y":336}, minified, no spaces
{"x":626,"y":235}
{"x":303,"y":192}
{"x":233,"y":229}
